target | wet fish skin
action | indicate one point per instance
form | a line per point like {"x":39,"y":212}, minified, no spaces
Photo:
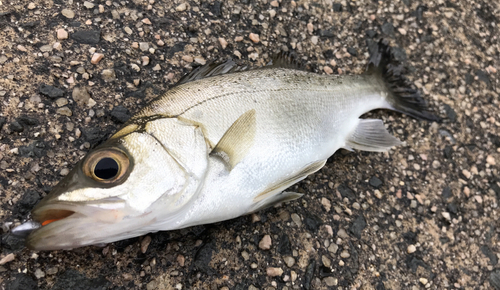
{"x":219,"y":147}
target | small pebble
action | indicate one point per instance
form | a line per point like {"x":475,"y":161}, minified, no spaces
{"x":491,"y":160}
{"x":57,"y":45}
{"x":31,"y":6}
{"x":329,"y":230}
{"x":187,"y":58}
{"x":345,"y":254}
{"x":200,"y":60}
{"x":144,"y":46}
{"x":61,"y":102}
{"x":62,"y":34}
{"x":115,"y":14}
{"x":65,"y":111}
{"x":466,"y":173}
{"x":446,"y":215}
{"x":39,"y":273}
{"x":289,"y":261}
{"x":342,"y":234}
{"x":333,"y":248}
{"x":157,"y":67}
{"x":265,"y":243}
{"x":88,"y":5}
{"x":328,"y":70}
{"x":310,"y":27}
{"x":181,"y":7}
{"x":296,"y":219}
{"x":96,"y":58}
{"x":330,"y":281}
{"x":423,"y":281}
{"x":181,"y":260}
{"x":273,"y":272}
{"x":64,"y":172}
{"x":146,"y":21}
{"x":411,"y":249}
{"x":7,"y":258}
{"x":68,"y":13}
{"x":46,"y":48}
{"x":145,"y":244}
{"x":254,"y":37}
{"x":110,"y":75}
{"x":492,"y":70}
{"x":223,"y":42}
{"x":326,"y":204}
{"x":145,"y":60}
{"x":326,"y":261}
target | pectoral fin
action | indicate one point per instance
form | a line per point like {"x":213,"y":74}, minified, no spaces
{"x":237,"y":140}
{"x":371,"y":135}
{"x":284,"y":184}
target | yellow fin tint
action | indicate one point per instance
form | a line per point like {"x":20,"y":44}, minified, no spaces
{"x":283,"y":184}
{"x":125,"y":131}
{"x":237,"y":140}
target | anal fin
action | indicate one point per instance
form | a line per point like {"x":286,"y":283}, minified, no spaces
{"x":371,"y":135}
{"x":283,"y":184}
{"x":278,"y":198}
{"x":237,"y":140}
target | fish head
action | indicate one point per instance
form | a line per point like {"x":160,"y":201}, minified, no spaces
{"x":112,"y":194}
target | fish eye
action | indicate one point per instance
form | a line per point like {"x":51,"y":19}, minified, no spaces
{"x":106,"y":168}
{"x":106,"y":165}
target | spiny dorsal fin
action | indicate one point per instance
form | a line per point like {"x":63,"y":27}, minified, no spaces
{"x":285,"y":60}
{"x":280,"y":60}
{"x":211,"y":69}
{"x":237,"y":140}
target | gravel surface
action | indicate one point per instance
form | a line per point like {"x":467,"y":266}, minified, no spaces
{"x":424,"y":215}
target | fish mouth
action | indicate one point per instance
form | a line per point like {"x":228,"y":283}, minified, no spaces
{"x":52,"y":215}
{"x":72,"y":225}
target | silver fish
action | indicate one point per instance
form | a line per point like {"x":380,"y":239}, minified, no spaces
{"x":222,"y":143}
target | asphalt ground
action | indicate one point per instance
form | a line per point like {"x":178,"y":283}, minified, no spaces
{"x":422,"y":216}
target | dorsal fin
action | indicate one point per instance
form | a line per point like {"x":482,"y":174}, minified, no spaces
{"x":280,"y":60}
{"x":211,"y":69}
{"x":285,"y":59}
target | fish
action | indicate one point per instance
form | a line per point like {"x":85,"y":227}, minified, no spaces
{"x":224,"y":142}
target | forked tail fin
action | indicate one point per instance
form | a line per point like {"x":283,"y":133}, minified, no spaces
{"x":403,"y":96}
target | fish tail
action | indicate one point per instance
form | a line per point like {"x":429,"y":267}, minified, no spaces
{"x":402,"y":94}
